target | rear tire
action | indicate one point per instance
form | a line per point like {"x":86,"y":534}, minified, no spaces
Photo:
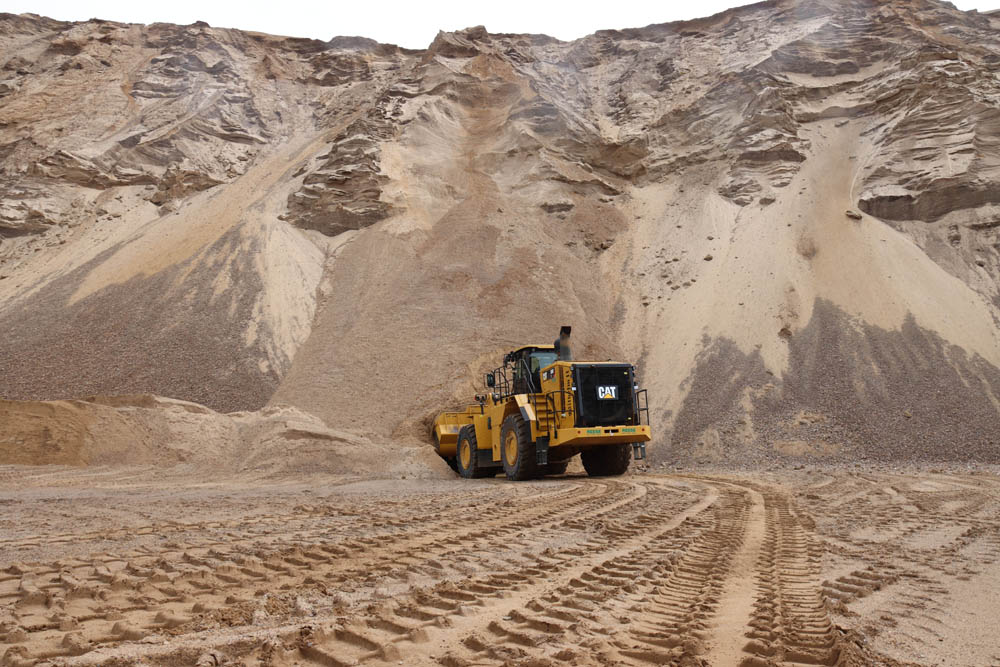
{"x":467,"y":456}
{"x":517,"y":450}
{"x":607,"y":461}
{"x":554,"y":468}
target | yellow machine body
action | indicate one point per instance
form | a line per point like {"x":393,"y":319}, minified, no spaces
{"x":552,"y":412}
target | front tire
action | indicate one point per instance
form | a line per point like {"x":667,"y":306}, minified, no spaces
{"x":517,"y":450}
{"x":607,"y":461}
{"x":467,"y":456}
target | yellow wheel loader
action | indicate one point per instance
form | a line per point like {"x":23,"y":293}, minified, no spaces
{"x":542,"y":409}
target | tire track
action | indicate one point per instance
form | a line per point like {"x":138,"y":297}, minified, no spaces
{"x":490,"y":599}
{"x":909,"y":554}
{"x":790,"y":623}
{"x":75,"y":606}
{"x":737,"y":603}
{"x":640,"y":570}
{"x":661,"y":591}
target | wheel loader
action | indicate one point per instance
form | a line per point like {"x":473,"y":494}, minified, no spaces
{"x":541,"y":410}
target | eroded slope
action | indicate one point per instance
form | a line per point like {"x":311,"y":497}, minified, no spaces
{"x":346,"y":226}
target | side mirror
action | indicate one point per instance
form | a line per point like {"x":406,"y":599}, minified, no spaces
{"x":491,"y":381}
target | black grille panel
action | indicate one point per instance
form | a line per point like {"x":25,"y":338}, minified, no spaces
{"x":614,"y":382}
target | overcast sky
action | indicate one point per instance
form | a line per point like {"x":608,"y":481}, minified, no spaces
{"x":409,"y":23}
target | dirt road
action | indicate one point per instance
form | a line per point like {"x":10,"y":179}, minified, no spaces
{"x":814,"y":567}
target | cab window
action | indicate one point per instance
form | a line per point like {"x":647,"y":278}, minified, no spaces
{"x":542,"y":358}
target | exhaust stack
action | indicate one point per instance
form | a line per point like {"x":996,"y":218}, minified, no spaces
{"x":562,"y":344}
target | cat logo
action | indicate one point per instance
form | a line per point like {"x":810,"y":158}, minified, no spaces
{"x":607,"y":393}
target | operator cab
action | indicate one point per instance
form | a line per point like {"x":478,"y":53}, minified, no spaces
{"x":536,"y":358}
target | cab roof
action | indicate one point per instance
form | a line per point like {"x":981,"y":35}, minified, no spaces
{"x":535,"y":347}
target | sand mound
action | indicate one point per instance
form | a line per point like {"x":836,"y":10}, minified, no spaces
{"x":151,"y":430}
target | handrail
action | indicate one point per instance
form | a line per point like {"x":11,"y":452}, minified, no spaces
{"x":502,"y":382}
{"x":505,"y":384}
{"x":526,"y":371}
{"x":641,"y":407}
{"x":550,"y":408}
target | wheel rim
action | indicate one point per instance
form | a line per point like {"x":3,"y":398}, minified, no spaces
{"x":465,"y":453}
{"x":510,"y":448}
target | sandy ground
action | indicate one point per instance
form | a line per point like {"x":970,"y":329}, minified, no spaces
{"x":846,"y":565}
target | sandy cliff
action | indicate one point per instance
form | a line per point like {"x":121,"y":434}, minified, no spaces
{"x":787,"y":214}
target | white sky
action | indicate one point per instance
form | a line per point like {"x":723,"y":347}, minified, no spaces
{"x":411,"y":23}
